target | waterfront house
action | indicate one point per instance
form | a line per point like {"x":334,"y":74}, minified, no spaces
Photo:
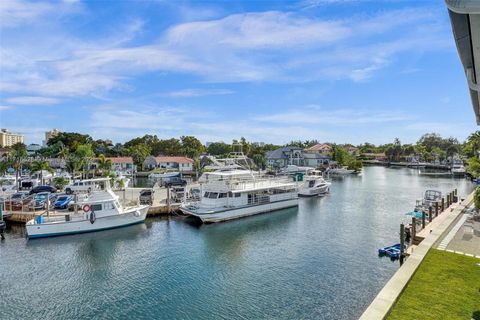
{"x":182,"y":164}
{"x":119,"y":164}
{"x":323,"y":149}
{"x":315,"y":160}
{"x":282,"y":157}
{"x":123,"y":164}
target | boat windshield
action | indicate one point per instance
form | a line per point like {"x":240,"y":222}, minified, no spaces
{"x":432,"y":195}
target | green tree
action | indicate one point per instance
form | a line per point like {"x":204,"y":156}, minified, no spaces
{"x":71,"y":140}
{"x":219,"y":149}
{"x":60,"y":182}
{"x":40,"y":166}
{"x":473,"y":166}
{"x":84,"y":155}
{"x":17,"y":155}
{"x":476,"y":198}
{"x":191,"y":146}
{"x":472,"y":145}
{"x":139,"y":152}
{"x":339,"y":154}
{"x":104,"y":164}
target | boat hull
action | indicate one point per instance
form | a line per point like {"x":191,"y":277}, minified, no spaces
{"x":313,"y":192}
{"x":83,"y":226}
{"x":236,"y":213}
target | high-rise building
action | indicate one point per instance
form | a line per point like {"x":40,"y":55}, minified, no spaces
{"x":50,"y":134}
{"x":8,"y":139}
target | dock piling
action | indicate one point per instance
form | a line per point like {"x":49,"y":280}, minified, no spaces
{"x":436,"y":209}
{"x":443,"y":204}
{"x":423,"y":219}
{"x":414,"y":228}
{"x":168,"y":199}
{"x":402,"y":242}
{"x":75,"y":205}
{"x":430,"y":212}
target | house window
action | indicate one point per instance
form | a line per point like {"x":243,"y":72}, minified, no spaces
{"x":237,"y":195}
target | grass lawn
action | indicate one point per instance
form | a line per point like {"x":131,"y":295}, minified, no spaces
{"x":445,"y":286}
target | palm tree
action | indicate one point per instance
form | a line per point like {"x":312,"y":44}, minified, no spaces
{"x":474,"y":141}
{"x":17,"y":155}
{"x":63,"y":151}
{"x":41,"y":166}
{"x":104,"y":164}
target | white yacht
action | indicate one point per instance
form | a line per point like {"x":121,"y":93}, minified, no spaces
{"x":457,"y":168}
{"x":313,"y":184}
{"x":237,"y":193}
{"x":100,"y":210}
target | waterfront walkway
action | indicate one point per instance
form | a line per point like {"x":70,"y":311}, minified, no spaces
{"x":385,"y":300}
{"x":464,"y":237}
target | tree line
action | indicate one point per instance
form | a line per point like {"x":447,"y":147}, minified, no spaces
{"x":77,"y":150}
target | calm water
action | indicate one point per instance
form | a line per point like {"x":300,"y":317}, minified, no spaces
{"x":315,"y":262}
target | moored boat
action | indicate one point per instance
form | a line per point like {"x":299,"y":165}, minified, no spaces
{"x":313,"y":185}
{"x":100,"y":210}
{"x":232,"y":194}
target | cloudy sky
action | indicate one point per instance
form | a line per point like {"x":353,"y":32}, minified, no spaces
{"x":272,"y":71}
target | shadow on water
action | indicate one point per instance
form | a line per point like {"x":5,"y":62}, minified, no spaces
{"x":232,"y":238}
{"x":101,"y":237}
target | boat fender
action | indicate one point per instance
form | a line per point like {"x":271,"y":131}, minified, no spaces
{"x":92,"y":217}
{"x":86,"y":208}
{"x":136,"y":213}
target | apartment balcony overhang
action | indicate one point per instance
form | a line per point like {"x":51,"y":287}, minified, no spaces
{"x":465,"y":19}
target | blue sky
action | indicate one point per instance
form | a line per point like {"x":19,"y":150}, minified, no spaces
{"x":272,"y":71}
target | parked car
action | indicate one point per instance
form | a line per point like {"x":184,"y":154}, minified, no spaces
{"x":82,"y":186}
{"x":39,"y":201}
{"x":175,"y":181}
{"x":39,"y":189}
{"x":146,"y":196}
{"x":63,"y":202}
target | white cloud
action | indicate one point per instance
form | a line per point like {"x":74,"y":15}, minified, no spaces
{"x":190,"y":93}
{"x":15,"y":12}
{"x":32,"y":100}
{"x":267,"y":46}
{"x":313,"y":115}
{"x":265,"y":30}
{"x":5,"y":108}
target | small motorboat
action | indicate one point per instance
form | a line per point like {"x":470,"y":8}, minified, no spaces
{"x":313,"y":185}
{"x":391,"y":251}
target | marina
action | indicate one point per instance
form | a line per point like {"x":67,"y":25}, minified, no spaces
{"x":301,"y":159}
{"x":332,"y":244}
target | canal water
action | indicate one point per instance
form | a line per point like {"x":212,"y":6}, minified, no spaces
{"x":315,"y":262}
